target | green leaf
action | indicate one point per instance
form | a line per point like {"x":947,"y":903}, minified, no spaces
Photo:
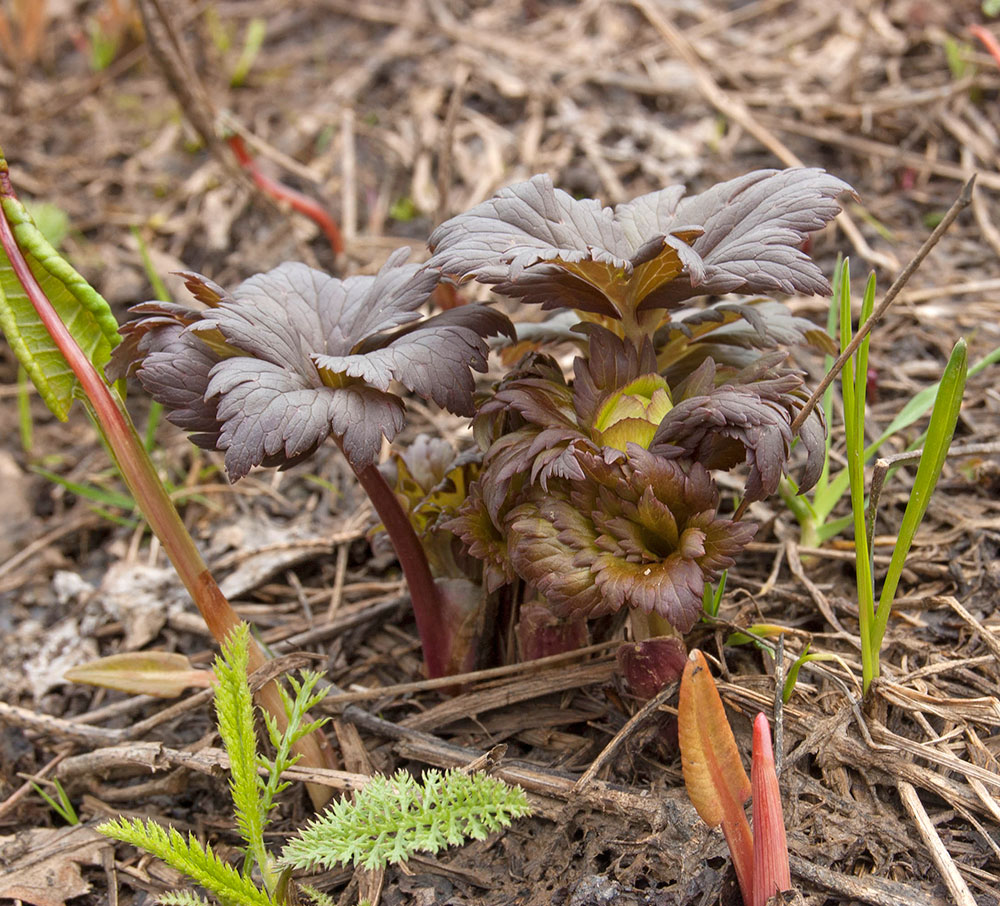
{"x":199,"y":863}
{"x":234,"y":709}
{"x":81,"y":308}
{"x":793,"y":672}
{"x":393,"y":818}
{"x":923,"y":401}
{"x":939,"y":434}
{"x":854,"y":386}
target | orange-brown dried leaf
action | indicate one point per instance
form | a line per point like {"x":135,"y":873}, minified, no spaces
{"x":713,"y":773}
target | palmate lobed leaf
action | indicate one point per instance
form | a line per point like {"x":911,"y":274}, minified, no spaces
{"x":538,"y":243}
{"x":292,"y":356}
{"x":83,"y":310}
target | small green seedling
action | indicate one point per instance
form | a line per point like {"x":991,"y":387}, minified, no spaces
{"x":61,"y":805}
{"x":711,"y":598}
{"x":388,"y":821}
{"x":813,"y":512}
{"x":948,"y":401}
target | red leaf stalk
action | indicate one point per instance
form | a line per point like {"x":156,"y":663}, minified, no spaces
{"x":428,"y":608}
{"x":989,"y":42}
{"x":279,"y":191}
{"x":148,"y":491}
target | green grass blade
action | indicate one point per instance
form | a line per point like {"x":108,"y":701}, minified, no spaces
{"x":922,"y":402}
{"x":88,"y":491}
{"x":939,"y":434}
{"x":82,"y":309}
{"x":854,"y":387}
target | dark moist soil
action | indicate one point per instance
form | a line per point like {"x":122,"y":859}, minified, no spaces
{"x":397,"y":115}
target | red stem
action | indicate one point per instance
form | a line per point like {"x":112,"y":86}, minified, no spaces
{"x":428,"y":608}
{"x":148,"y":491}
{"x":739,"y":839}
{"x":989,"y":42}
{"x":301,"y":203}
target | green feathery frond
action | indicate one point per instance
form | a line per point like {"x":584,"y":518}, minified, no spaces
{"x":296,"y":708}
{"x":181,"y":898}
{"x":234,"y":709}
{"x":391,"y":819}
{"x":318,"y":897}
{"x":198,"y":862}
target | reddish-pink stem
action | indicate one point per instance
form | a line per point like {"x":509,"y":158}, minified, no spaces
{"x":989,"y":42}
{"x":148,"y":491}
{"x":278,"y":190}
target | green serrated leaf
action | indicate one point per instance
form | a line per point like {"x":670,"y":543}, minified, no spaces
{"x":82,"y":309}
{"x":234,"y":708}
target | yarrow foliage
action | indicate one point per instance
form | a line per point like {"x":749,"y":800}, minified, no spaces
{"x":391,"y":819}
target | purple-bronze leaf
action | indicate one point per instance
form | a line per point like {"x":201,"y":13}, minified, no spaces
{"x":542,"y":557}
{"x":482,"y":538}
{"x":748,"y":418}
{"x":539,"y":243}
{"x":753,"y":227}
{"x":293,"y":355}
{"x":640,"y":532}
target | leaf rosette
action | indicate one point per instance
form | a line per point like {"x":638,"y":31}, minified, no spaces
{"x":292,"y":356}
{"x":640,"y":531}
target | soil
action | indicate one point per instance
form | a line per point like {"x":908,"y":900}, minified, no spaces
{"x":395,"y":116}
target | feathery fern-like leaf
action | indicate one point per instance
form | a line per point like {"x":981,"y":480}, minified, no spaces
{"x":393,"y":818}
{"x":181,"y":898}
{"x":198,"y":862}
{"x":234,"y":709}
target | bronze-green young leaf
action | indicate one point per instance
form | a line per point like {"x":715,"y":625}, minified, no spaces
{"x":640,"y":532}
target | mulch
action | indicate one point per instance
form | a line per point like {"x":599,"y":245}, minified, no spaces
{"x":396,"y":116}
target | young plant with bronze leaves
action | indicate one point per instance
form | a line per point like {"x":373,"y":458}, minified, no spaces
{"x":294,"y":356}
{"x":598,"y":489}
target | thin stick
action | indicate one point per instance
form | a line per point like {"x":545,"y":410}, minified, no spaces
{"x":952,"y":877}
{"x":962,"y":202}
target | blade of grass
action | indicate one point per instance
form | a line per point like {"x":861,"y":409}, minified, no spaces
{"x":854,"y":388}
{"x":939,"y":435}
